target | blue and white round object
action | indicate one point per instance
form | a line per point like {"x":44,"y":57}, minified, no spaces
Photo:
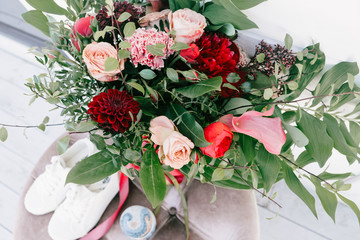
{"x":138,"y":222}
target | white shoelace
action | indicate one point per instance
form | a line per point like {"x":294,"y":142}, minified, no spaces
{"x":77,"y":201}
{"x":51,"y":178}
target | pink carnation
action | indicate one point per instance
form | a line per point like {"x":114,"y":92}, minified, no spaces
{"x":142,"y":38}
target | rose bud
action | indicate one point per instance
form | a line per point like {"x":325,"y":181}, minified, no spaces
{"x":191,"y":53}
{"x":82,"y":26}
{"x":220,"y":136}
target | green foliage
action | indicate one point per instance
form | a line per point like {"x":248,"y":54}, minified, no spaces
{"x":147,"y":74}
{"x":111,"y":64}
{"x":3,"y":134}
{"x":152,"y":177}
{"x":269,"y":166}
{"x":62,"y":144}
{"x":48,"y":6}
{"x":200,"y":88}
{"x":37,"y":19}
{"x":94,"y":168}
{"x":327,"y":198}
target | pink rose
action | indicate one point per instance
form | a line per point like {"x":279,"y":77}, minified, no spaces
{"x":95,"y":55}
{"x":189,"y":25}
{"x":82,"y":26}
{"x":175,"y":148}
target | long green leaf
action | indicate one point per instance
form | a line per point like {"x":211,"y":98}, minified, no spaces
{"x":218,"y":15}
{"x":37,"y":19}
{"x":334,"y":78}
{"x":202,"y":87}
{"x":351,"y":204}
{"x":328,"y":199}
{"x":269,"y":166}
{"x":239,"y":4}
{"x":94,"y":168}
{"x":296,"y":187}
{"x":304,"y":159}
{"x":188,"y":125}
{"x":48,"y":6}
{"x":152,"y":177}
{"x":320,"y":144}
{"x":333,"y":129}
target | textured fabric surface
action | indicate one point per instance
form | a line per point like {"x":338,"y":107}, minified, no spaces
{"x":232,"y":217}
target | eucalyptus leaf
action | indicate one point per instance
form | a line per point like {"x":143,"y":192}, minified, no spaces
{"x":3,"y":134}
{"x":85,"y":126}
{"x":147,"y":74}
{"x":124,"y":16}
{"x":172,"y":74}
{"x":124,"y":44}
{"x":152,"y":177}
{"x":288,"y":41}
{"x":137,"y":87}
{"x":111,"y":64}
{"x":156,"y":51}
{"x":296,"y":135}
{"x":218,"y":174}
{"x":268,"y":93}
{"x":132,"y":155}
{"x":123,"y":53}
{"x":62,"y":144}
{"x":351,"y":204}
{"x":129,"y":29}
{"x":179,"y":46}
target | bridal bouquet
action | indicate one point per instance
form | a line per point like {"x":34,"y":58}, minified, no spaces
{"x":171,"y":90}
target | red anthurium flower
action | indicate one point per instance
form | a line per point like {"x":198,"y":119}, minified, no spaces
{"x":267,"y":130}
{"x":220,"y":136}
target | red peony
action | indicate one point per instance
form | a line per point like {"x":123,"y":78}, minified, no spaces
{"x":220,"y":136}
{"x":111,"y":110}
{"x":191,"y":53}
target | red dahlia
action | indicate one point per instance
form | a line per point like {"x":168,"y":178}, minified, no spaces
{"x":111,"y":110}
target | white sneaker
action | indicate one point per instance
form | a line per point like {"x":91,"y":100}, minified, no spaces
{"x":82,"y":208}
{"x":48,"y":190}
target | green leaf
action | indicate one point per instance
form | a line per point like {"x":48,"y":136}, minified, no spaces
{"x":85,"y":126}
{"x":218,"y":15}
{"x":37,"y":19}
{"x":338,"y":101}
{"x":227,"y":29}
{"x":296,"y":187}
{"x":269,"y":166}
{"x":124,"y":16}
{"x":260,"y":57}
{"x":218,"y":174}
{"x":351,"y":80}
{"x":147,"y":74}
{"x":98,"y":141}
{"x":62,"y":145}
{"x":237,"y":106}
{"x":188,"y":126}
{"x":136,"y":86}
{"x":293,"y":85}
{"x":296,"y":135}
{"x":42,"y":127}
{"x":94,"y":168}
{"x":300,"y":56}
{"x":288,"y":41}
{"x":334,"y":176}
{"x":268,"y":93}
{"x":334,"y":78}
{"x":48,"y":6}
{"x":3,"y":134}
{"x":351,"y":204}
{"x":127,"y":172}
{"x":179,"y":46}
{"x":320,"y":144}
{"x":248,"y":145}
{"x":152,"y":177}
{"x":193,"y":172}
{"x":327,"y":198}
{"x":129,"y":29}
{"x":333,"y":129}
{"x":154,"y":50}
{"x":239,"y":4}
{"x":124,"y":44}
{"x":132,"y":155}
{"x":123,"y":53}
{"x":304,"y":159}
{"x":172,"y":74}
{"x":111,"y":64}
{"x":354,"y":131}
{"x":202,"y":87}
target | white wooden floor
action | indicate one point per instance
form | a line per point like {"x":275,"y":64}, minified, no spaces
{"x":22,"y":149}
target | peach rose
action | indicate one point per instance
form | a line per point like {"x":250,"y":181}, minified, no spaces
{"x":95,"y":55}
{"x":188,"y":24}
{"x":175,"y":148}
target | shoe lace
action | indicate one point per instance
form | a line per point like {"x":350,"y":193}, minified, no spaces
{"x":51,"y":179}
{"x":76,"y":204}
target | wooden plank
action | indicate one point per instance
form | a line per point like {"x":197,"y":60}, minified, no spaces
{"x":345,"y":228}
{"x":14,"y":171}
{"x":280,"y":228}
{"x":8,"y":204}
{"x":5,"y":234}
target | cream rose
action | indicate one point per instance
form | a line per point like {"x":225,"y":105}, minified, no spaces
{"x":188,"y":25}
{"x":175,"y":148}
{"x":95,"y":55}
